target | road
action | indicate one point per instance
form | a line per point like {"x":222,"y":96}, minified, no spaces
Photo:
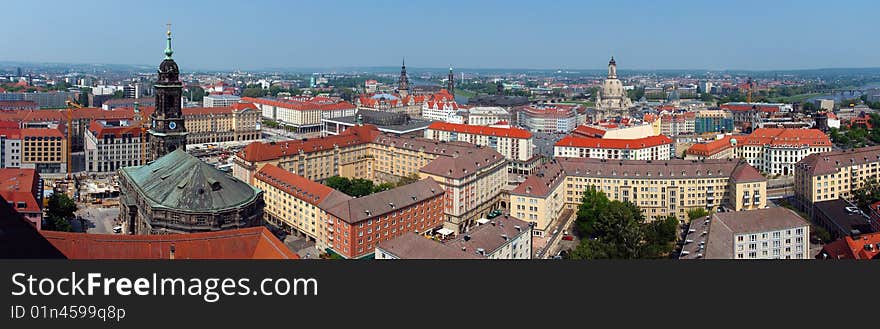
{"x":98,"y":220}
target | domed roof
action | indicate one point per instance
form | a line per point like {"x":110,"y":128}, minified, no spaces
{"x":180,"y":181}
{"x":168,"y":71}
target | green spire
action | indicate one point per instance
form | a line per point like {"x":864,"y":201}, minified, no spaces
{"x":168,"y":50}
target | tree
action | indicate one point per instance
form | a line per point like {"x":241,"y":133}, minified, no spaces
{"x":360,"y":187}
{"x":617,"y":230}
{"x":697,"y":213}
{"x":253,"y":92}
{"x":383,"y":187}
{"x":341,"y":184}
{"x":618,"y":233}
{"x":660,"y":236}
{"x":592,"y":202}
{"x":409,"y":179}
{"x":61,"y":209}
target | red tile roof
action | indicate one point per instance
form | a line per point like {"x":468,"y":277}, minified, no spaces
{"x":854,"y":248}
{"x":41,"y":132}
{"x":10,"y":133}
{"x":590,"y":142}
{"x":710,"y":148}
{"x":17,"y":185}
{"x":587,"y":131}
{"x":99,"y":130}
{"x":298,"y":186}
{"x":544,"y":179}
{"x":481,"y":130}
{"x":246,"y":243}
{"x":19,"y":104}
{"x":785,"y":137}
{"x":262,"y":151}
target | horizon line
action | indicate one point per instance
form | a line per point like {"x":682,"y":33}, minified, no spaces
{"x":444,"y":68}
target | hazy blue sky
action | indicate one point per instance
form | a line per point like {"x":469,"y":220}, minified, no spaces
{"x":252,"y":34}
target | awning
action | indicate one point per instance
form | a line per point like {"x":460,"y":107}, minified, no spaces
{"x":445,"y":231}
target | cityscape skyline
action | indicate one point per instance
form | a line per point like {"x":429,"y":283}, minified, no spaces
{"x":483,"y":35}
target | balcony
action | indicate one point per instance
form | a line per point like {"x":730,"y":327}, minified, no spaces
{"x":330,"y":229}
{"x":330,"y":237}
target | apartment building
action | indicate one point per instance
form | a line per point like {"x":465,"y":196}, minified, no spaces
{"x":357,"y":225}
{"x":550,"y":118}
{"x":836,"y":174}
{"x":297,"y":204}
{"x":110,"y":145}
{"x":648,"y":148}
{"x":473,"y":181}
{"x":514,"y":143}
{"x":770,"y":150}
{"x":674,"y":124}
{"x":503,"y":237}
{"x":659,"y":188}
{"x":44,"y":149}
{"x":711,"y":121}
{"x":772,"y":233}
{"x":10,"y":145}
{"x":234,"y":123}
{"x":358,"y":152}
{"x":303,"y":115}
{"x":487,"y":115}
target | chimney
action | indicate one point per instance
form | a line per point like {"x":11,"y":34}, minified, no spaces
{"x":172,"y":252}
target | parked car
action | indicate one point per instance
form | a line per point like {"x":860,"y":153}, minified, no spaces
{"x":567,"y":237}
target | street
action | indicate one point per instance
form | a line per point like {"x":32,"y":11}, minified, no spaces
{"x":97,"y":220}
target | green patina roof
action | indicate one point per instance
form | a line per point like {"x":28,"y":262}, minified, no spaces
{"x":180,"y":181}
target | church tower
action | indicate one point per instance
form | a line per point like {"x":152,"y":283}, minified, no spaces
{"x":450,"y":82}
{"x":403,"y":82}
{"x":167,"y":129}
{"x":612,"y":69}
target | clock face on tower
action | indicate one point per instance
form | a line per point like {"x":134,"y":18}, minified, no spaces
{"x":172,"y":125}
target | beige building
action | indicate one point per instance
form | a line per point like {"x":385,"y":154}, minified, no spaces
{"x":303,"y":115}
{"x":834,"y":175}
{"x":297,"y":204}
{"x":473,"y":187}
{"x":44,"y":149}
{"x":659,"y":188}
{"x":770,"y":150}
{"x":487,"y":115}
{"x":473,"y":182}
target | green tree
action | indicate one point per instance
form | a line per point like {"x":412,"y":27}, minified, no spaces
{"x":660,"y":236}
{"x":341,"y":184}
{"x":253,"y":92}
{"x":61,"y":209}
{"x":592,"y":203}
{"x":409,"y":179}
{"x":383,"y":187}
{"x":697,"y":213}
{"x":618,"y":234}
{"x":361,"y":187}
